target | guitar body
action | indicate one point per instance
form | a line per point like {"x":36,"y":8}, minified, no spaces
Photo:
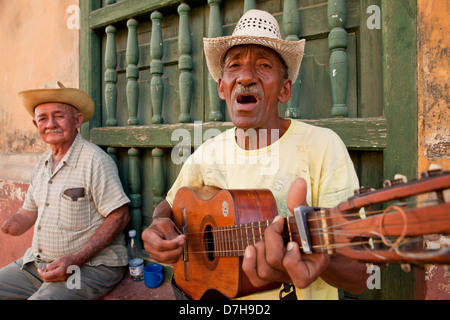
{"x":200,"y":273}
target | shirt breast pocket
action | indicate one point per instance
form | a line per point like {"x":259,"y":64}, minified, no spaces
{"x":75,"y":209}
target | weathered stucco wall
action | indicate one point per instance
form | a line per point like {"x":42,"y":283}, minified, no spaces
{"x":433,"y":83}
{"x":434,"y":114}
{"x":39,"y":44}
{"x":12,"y":195}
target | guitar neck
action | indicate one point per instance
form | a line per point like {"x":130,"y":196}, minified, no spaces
{"x":357,"y":239}
{"x":231,"y":241}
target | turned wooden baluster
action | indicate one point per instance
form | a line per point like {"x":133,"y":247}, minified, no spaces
{"x":214,"y":30}
{"x":291,"y":25}
{"x":185,"y":63}
{"x":158,"y":180}
{"x":112,"y":152}
{"x":132,"y":56}
{"x":156,"y":67}
{"x":337,"y":43}
{"x":111,"y":77}
{"x":134,"y":185}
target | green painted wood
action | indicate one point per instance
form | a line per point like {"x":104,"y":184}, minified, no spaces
{"x":357,"y":134}
{"x":370,"y":68}
{"x":158,"y":178}
{"x":90,"y":64}
{"x":185,"y":63}
{"x":134,"y":187}
{"x":400,"y":86}
{"x":112,"y":152}
{"x":108,"y":2}
{"x":132,"y":72}
{"x":214,"y":30}
{"x":249,"y":4}
{"x":338,"y":43}
{"x":111,"y":76}
{"x":156,"y":68}
{"x":124,"y":10}
{"x":399,"y":36}
{"x":291,"y":26}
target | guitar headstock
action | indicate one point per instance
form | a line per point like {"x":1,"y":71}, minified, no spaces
{"x":397,"y":221}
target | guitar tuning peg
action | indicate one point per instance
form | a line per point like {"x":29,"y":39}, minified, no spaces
{"x":433,"y":170}
{"x":398,"y":179}
{"x":406,"y":267}
{"x":363,"y":190}
{"x":434,"y":167}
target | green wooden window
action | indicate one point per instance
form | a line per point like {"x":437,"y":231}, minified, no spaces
{"x":142,"y":62}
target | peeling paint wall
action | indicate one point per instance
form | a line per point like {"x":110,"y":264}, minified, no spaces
{"x":433,"y":83}
{"x":434,"y":114}
{"x":38,"y":46}
{"x":12,"y":195}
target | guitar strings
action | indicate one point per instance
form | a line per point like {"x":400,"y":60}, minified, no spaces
{"x":333,"y":246}
{"x":319,"y":231}
{"x":313,"y":231}
{"x":231,"y":240}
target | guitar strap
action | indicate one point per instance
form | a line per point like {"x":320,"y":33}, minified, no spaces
{"x":179,"y":295}
{"x":288,"y":292}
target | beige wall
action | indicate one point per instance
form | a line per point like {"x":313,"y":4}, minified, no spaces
{"x":37,"y":46}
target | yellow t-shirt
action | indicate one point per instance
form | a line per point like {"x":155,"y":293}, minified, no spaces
{"x":315,"y":154}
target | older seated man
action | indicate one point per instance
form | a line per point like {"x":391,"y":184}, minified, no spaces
{"x":76,"y":204}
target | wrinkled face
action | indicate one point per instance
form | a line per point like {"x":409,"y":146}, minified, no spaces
{"x":252,"y":84}
{"x":57,"y":123}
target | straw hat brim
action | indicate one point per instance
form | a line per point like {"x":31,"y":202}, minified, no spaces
{"x":74,"y":97}
{"x":215,"y":49}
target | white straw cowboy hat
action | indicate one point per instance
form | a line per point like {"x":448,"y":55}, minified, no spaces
{"x":56,"y":92}
{"x":255,"y":27}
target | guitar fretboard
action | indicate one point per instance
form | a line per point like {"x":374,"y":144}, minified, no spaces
{"x":231,"y":241}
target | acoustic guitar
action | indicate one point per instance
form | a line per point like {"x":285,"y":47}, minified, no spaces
{"x":220,"y":224}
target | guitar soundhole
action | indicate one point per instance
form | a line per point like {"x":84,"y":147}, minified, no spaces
{"x":208,"y":242}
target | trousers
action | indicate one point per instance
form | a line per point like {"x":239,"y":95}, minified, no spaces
{"x":24,"y":283}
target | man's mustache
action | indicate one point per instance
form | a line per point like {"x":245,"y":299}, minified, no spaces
{"x":53,"y":131}
{"x":246,"y":90}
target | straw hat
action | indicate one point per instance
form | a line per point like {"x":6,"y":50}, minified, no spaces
{"x":57,"y":92}
{"x":254,"y":27}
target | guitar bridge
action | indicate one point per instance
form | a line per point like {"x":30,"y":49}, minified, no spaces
{"x":301,"y":213}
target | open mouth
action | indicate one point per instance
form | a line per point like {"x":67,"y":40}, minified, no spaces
{"x":245,"y":98}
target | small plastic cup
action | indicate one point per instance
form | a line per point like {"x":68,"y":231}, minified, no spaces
{"x":153,"y":275}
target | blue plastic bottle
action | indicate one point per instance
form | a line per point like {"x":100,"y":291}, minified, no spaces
{"x":135,"y":259}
